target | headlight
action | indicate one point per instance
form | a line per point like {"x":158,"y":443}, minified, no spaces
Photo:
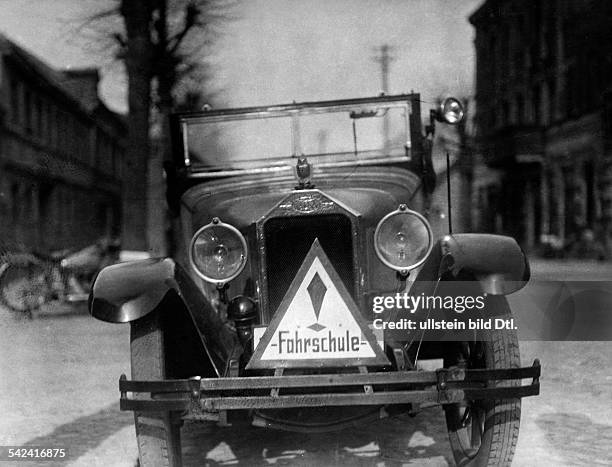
{"x":218,"y":252}
{"x":451,"y":110}
{"x":403,"y":239}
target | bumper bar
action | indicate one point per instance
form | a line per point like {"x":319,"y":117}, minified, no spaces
{"x":444,"y":386}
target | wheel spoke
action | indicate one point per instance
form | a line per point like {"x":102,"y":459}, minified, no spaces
{"x":476,"y":429}
{"x":467,"y":416}
{"x":476,"y":433}
{"x":481,"y":422}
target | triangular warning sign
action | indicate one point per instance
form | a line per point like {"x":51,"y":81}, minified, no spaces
{"x":317,"y":324}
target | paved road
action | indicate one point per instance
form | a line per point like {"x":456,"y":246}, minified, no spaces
{"x":58,"y":386}
{"x":570,"y":270}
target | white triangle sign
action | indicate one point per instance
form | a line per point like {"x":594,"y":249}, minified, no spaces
{"x":317,"y":324}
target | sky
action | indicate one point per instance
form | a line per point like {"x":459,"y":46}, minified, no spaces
{"x":278,"y":51}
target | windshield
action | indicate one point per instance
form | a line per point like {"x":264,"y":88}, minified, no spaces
{"x":353,"y":133}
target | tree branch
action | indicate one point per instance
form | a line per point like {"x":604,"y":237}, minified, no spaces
{"x":101,"y":15}
{"x":192,"y":18}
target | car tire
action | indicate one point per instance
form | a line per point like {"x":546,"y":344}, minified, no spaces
{"x":495,"y":422}
{"x":157,"y":433}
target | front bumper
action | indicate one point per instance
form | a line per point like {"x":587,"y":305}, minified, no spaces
{"x":205,"y":398}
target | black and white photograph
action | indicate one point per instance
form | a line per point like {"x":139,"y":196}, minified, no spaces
{"x":305,"y":233}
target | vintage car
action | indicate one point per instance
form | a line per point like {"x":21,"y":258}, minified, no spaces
{"x":293,"y":222}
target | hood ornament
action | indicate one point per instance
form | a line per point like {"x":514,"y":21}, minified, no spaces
{"x":302,"y":170}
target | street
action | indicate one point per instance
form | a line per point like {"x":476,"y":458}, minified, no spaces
{"x":59,"y":376}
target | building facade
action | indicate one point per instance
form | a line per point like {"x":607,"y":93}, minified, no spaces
{"x":543,"y":76}
{"x":61,"y":156}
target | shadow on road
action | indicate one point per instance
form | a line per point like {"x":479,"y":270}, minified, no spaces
{"x":402,"y":440}
{"x":85,"y":433}
{"x":578,"y":439}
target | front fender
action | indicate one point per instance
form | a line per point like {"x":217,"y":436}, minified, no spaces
{"x":128,"y":291}
{"x":496,"y":261}
{"x":125,"y":292}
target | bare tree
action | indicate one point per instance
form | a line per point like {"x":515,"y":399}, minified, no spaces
{"x":137,"y":53}
{"x":159,"y":42}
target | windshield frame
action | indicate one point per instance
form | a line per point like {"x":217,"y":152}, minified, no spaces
{"x":180,"y":121}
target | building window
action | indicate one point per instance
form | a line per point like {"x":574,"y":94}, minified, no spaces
{"x":98,"y":150}
{"x":38,"y":112}
{"x":520,"y":109}
{"x":607,"y":115}
{"x":573,"y":84}
{"x":552,"y":100}
{"x":506,"y":113}
{"x":505,"y":49}
{"x":62,"y":128}
{"x":492,"y":121}
{"x":119,"y":162}
{"x":493,"y":57}
{"x":550,"y":37}
{"x":56,"y":127}
{"x":71,"y":141}
{"x":114,"y":159}
{"x":47,"y":122}
{"x":15,"y":104}
{"x":589,"y":175}
{"x":15,"y":205}
{"x":518,"y":63}
{"x":537,"y":105}
{"x":27,"y":106}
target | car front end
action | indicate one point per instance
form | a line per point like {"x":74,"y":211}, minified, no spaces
{"x":268,"y":307}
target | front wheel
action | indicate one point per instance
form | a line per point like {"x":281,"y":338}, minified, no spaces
{"x":485,"y":432}
{"x":24,"y":287}
{"x":158,"y":433}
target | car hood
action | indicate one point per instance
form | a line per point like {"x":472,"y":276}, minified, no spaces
{"x":241,"y":201}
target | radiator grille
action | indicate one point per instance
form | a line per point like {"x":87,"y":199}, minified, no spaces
{"x":287,"y":241}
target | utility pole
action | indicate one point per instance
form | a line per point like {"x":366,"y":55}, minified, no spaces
{"x":384,"y":58}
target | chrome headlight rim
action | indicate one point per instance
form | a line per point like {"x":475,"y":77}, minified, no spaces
{"x":216,"y":222}
{"x":446,"y":111}
{"x":403,"y":209}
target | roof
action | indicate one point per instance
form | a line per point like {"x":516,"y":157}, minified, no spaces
{"x":484,"y":11}
{"x":78,"y":87}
